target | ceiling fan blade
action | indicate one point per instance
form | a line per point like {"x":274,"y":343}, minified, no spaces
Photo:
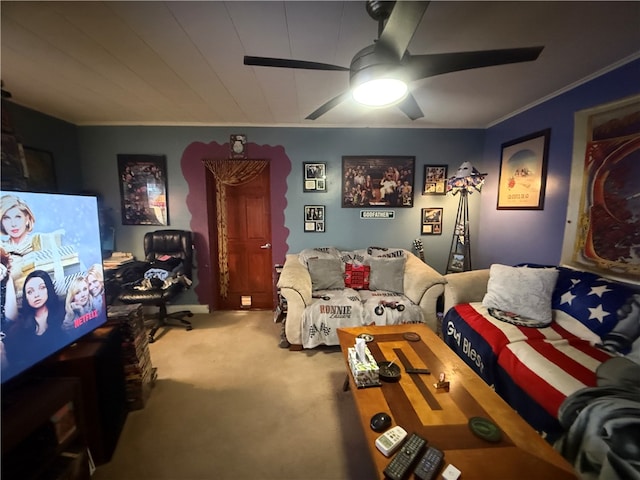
{"x":285,"y":63}
{"x":423,"y":66}
{"x":334,"y":102}
{"x":410,"y":107}
{"x":401,"y":25}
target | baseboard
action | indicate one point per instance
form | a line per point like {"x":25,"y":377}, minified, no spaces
{"x":176,"y":308}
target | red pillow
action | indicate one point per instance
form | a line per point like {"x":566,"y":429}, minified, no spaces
{"x":356,"y":276}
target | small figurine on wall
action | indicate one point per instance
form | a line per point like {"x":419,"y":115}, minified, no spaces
{"x":238,"y":145}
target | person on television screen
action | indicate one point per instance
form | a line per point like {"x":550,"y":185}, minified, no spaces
{"x":95,"y":278}
{"x":8,"y":304}
{"x":78,"y":305}
{"x":18,"y":239}
{"x":17,"y":224}
{"x":39,"y":327}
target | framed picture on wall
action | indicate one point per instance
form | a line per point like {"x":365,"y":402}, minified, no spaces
{"x":371,"y":181}
{"x":456,"y":263}
{"x":431,"y":221}
{"x":41,"y":171}
{"x":604,"y":197}
{"x":523,"y":172}
{"x":143,"y":189}
{"x":315,"y":177}
{"x":314,"y":218}
{"x":435,"y":180}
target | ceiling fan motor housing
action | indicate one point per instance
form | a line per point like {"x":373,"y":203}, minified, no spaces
{"x":373,"y":63}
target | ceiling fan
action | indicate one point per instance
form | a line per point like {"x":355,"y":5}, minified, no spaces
{"x":388,"y":59}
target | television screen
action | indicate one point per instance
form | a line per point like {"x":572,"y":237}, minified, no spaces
{"x":52,"y":277}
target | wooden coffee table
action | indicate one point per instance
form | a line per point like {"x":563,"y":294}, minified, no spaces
{"x":442,"y":417}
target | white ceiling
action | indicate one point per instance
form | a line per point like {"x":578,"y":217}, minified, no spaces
{"x":181,"y":63}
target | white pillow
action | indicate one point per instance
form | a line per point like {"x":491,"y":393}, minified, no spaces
{"x":524,"y":291}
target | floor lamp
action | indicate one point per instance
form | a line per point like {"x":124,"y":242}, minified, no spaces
{"x":464,"y":182}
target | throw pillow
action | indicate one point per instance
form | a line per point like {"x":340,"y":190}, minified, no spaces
{"x":523,"y":291}
{"x":326,"y":273}
{"x":356,"y":276}
{"x":387,"y":274}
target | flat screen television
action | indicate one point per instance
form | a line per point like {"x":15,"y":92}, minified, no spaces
{"x":52,"y":277}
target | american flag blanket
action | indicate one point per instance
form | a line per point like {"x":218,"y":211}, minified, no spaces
{"x":342,"y":308}
{"x":535,"y":369}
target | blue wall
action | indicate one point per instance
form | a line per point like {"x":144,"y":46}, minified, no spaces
{"x":516,"y":236}
{"x":86,"y":159}
{"x":99,"y":146}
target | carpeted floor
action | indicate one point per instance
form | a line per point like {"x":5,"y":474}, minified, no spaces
{"x":230,"y":404}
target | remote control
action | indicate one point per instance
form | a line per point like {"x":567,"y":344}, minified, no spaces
{"x":429,"y":464}
{"x":401,"y":464}
{"x":390,"y":440}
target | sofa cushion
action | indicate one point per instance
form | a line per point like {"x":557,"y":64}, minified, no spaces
{"x":356,"y":276}
{"x":387,"y":274}
{"x":523,"y":291}
{"x":326,"y":273}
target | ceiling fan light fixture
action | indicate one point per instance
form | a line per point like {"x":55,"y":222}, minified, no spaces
{"x":380,"y":92}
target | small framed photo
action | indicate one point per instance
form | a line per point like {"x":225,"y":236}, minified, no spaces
{"x":456,"y":263}
{"x":314,"y":218}
{"x":238,"y":146}
{"x":431,"y":221}
{"x":315,"y":177}
{"x":435,"y":180}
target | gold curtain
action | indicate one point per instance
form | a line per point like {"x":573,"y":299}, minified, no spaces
{"x":229,"y":173}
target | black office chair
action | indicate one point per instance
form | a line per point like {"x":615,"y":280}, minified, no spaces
{"x":162,"y":249}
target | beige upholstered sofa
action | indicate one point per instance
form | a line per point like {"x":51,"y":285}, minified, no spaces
{"x":422,"y":285}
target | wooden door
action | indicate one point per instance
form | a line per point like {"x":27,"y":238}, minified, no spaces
{"x":249,"y":245}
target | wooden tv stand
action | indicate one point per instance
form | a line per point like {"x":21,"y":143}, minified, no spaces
{"x":43,"y":434}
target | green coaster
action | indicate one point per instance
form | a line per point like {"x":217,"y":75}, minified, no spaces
{"x":485,"y":429}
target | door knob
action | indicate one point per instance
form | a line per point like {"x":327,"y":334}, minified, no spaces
{"x":266,"y":246}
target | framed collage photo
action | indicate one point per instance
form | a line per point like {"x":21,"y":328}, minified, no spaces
{"x":435,"y":180}
{"x":314,"y":218}
{"x":523,"y":172}
{"x":379,"y":182}
{"x":143,"y":189}
{"x":431,"y":221}
{"x":315,"y":177}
